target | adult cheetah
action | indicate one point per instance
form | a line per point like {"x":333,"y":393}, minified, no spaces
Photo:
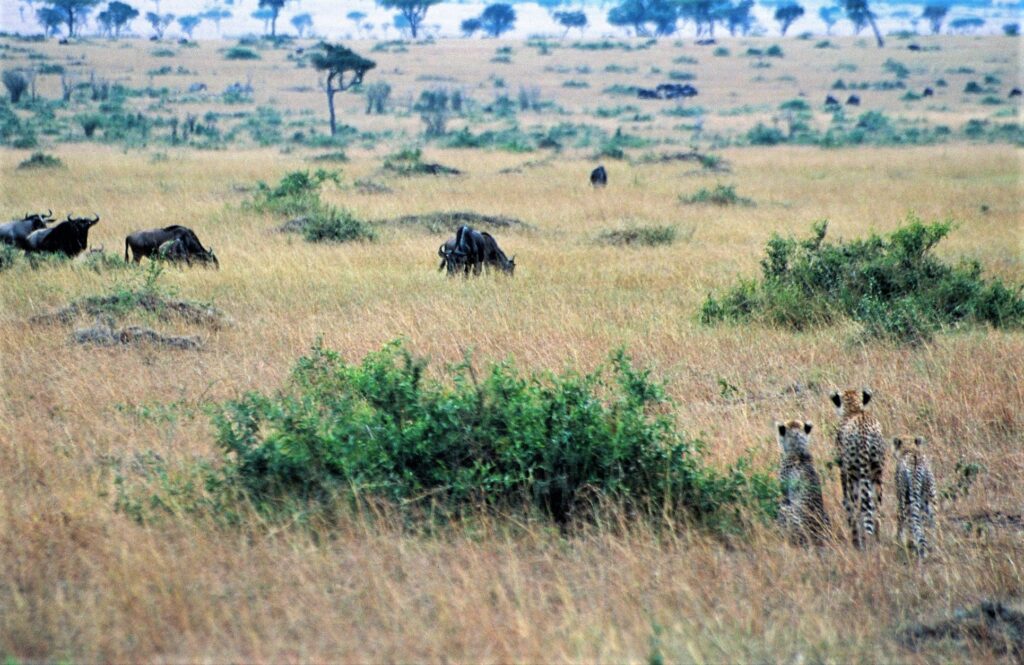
{"x":915,"y":494}
{"x":802,"y":513}
{"x":860,"y":450}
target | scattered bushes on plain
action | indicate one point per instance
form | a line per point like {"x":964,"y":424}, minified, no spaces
{"x":893,"y":285}
{"x":558,"y":444}
{"x":241,"y":53}
{"x":331,"y":224}
{"x":298,"y":193}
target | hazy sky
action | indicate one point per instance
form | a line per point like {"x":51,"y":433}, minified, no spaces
{"x":329,"y":18}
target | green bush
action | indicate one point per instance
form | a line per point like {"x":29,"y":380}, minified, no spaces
{"x":556,"y":444}
{"x":298,"y":193}
{"x":650,"y":236}
{"x":334,"y":225}
{"x":9,"y":256}
{"x":241,"y":53}
{"x":40,"y":160}
{"x":762,"y":134}
{"x":894,"y":286}
{"x":720,"y":195}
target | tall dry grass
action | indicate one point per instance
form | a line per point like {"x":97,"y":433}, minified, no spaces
{"x":85,"y":582}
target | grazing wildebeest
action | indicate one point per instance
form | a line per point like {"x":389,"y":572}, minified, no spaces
{"x":148,"y":243}
{"x":599,"y":177}
{"x":647,"y":93}
{"x":831,"y":101}
{"x":177,"y":251}
{"x":70,"y":237}
{"x":16,"y":232}
{"x":473,"y":250}
{"x":913,"y":47}
{"x":1015,"y":92}
{"x":447,"y":253}
{"x":853,"y":100}
{"x":928,"y":92}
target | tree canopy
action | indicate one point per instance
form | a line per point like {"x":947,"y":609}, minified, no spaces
{"x":71,"y":12}
{"x":935,"y":15}
{"x":414,"y":11}
{"x":569,"y":20}
{"x":339,"y":61}
{"x":786,"y":15}
{"x":188,"y":24}
{"x":116,"y":17}
{"x":498,"y":18}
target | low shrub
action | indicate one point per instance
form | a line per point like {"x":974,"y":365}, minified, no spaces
{"x":719,"y":195}
{"x":650,"y":236}
{"x":893,"y":285}
{"x":557,"y":444}
{"x":241,"y":53}
{"x":41,"y":160}
{"x":336,"y":225}
{"x":298,"y":193}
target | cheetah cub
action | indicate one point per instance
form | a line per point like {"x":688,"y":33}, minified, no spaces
{"x":802,"y":514}
{"x":915,"y":494}
{"x":860,"y":451}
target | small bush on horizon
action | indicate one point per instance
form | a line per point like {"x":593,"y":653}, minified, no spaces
{"x":720,"y":195}
{"x":649,"y":236}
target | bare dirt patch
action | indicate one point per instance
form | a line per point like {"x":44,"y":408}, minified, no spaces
{"x":105,"y":335}
{"x":162,"y":308}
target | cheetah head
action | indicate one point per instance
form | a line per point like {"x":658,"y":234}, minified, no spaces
{"x":793,"y":436}
{"x":900,"y":447}
{"x":849,"y":402}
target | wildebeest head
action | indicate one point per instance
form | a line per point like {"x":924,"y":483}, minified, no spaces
{"x":180,"y":250}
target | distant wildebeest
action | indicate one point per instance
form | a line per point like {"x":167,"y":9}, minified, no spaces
{"x":647,"y":93}
{"x":599,"y":177}
{"x":472,"y":251}
{"x":197,"y":87}
{"x":676,"y":90}
{"x":177,"y":251}
{"x":913,"y":47}
{"x":1015,"y":92}
{"x":928,"y":92}
{"x":70,"y":237}
{"x":706,"y":42}
{"x":16,"y":232}
{"x":853,"y":100}
{"x":831,"y":101}
{"x":148,"y":244}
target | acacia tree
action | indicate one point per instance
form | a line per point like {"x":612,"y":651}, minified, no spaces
{"x":498,"y":19}
{"x":829,"y":14}
{"x":569,"y":20}
{"x":935,"y":15}
{"x":72,"y":11}
{"x":51,"y":19}
{"x":159,"y":22}
{"x":275,"y":7}
{"x":217,"y":14}
{"x":737,"y":17}
{"x":414,"y":11}
{"x":860,"y":13}
{"x":704,"y":14}
{"x":188,"y":24}
{"x":302,"y":23}
{"x":357,"y":19}
{"x":116,"y":17}
{"x":470,"y":26}
{"x":787,"y":15}
{"x":638,"y":13}
{"x":337,"y":61}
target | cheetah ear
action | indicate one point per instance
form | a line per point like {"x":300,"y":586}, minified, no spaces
{"x":919,"y":441}
{"x":836,"y":399}
{"x":781,"y":427}
{"x":808,"y":426}
{"x":866,"y":394}
{"x":897,"y":443}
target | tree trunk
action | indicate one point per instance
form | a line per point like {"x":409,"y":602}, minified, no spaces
{"x":330,"y":104}
{"x":413,"y":25}
{"x":273,"y":25}
{"x":878,"y":35}
{"x":71,"y":23}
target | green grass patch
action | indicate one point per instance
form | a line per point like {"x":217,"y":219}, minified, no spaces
{"x":719,"y":195}
{"x":648,"y":236}
{"x":40,"y":160}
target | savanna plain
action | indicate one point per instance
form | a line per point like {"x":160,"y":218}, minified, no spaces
{"x":104,"y":558}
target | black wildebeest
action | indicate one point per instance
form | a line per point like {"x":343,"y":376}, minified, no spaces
{"x":675,"y":90}
{"x":599,"y":177}
{"x":928,"y":92}
{"x":148,"y":243}
{"x":1015,"y":92}
{"x":647,"y":93}
{"x":853,"y":100}
{"x":70,"y":237}
{"x":831,"y":101}
{"x":16,"y":232}
{"x":177,"y":251}
{"x":470,"y":250}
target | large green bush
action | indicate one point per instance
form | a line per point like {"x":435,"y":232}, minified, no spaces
{"x":556,"y":444}
{"x":894,"y":285}
{"x":298,"y":193}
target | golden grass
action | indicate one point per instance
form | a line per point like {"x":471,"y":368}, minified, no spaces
{"x":85,"y":582}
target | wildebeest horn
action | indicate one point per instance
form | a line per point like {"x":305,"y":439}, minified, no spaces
{"x":95,"y":218}
{"x":69,"y":216}
{"x":49,"y":213}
